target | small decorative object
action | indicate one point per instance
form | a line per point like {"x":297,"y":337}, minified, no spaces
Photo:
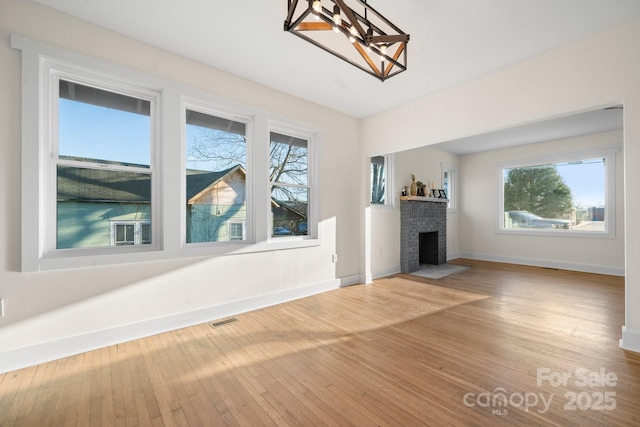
{"x":414,"y":187}
{"x":442,"y":194}
{"x":420,"y":187}
{"x":404,"y":190}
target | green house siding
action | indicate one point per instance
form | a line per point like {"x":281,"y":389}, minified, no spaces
{"x":210,"y":223}
{"x":88,"y":224}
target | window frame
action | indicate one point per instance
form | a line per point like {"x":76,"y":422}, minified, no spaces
{"x":609,"y":154}
{"x":52,"y":72}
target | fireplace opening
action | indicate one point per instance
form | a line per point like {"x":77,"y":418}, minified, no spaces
{"x":428,"y":248}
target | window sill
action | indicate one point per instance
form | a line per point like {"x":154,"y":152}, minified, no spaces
{"x":558,"y":233}
{"x":61,"y":260}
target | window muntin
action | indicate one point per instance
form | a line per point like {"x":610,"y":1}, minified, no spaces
{"x":101,"y":161}
{"x":216,"y":177}
{"x":571,"y":194}
{"x":290,"y":184}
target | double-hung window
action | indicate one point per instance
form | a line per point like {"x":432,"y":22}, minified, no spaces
{"x":216,"y":177}
{"x":291,"y":184}
{"x":101,"y":169}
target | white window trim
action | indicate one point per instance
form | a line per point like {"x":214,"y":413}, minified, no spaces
{"x":167,"y":234}
{"x":608,"y":153}
{"x":453,"y":185}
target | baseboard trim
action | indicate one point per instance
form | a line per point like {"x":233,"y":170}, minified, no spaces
{"x":11,"y":360}
{"x":630,"y":340}
{"x":597,"y":269}
{"x":354,"y":279}
{"x":386,"y":272}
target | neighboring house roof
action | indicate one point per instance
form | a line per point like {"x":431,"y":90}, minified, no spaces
{"x":107,"y":185}
{"x":102,"y":185}
{"x":297,"y":208}
{"x":198,"y":181}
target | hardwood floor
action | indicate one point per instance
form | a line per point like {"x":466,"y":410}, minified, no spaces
{"x":487,"y":346}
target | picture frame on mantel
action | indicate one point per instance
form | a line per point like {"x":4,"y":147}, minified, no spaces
{"x":442,"y":194}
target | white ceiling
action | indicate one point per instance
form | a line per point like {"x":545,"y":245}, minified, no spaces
{"x":451,"y":41}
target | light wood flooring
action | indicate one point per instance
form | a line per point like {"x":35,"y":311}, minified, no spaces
{"x":403,"y":352}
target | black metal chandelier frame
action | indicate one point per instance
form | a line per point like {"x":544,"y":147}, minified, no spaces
{"x":384,"y":52}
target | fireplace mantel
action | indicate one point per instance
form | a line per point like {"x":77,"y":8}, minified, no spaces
{"x":423,"y":199}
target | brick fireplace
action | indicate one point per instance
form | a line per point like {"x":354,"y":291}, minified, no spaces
{"x":423,"y":232}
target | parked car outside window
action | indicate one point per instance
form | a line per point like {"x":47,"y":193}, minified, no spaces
{"x":526,"y":219}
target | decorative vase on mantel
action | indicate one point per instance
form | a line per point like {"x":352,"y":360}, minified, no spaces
{"x":414,"y":188}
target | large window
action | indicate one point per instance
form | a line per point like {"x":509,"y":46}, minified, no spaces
{"x":216,"y":178}
{"x":290,"y":182}
{"x":101,"y":162}
{"x":119,"y":167}
{"x":574,"y":194}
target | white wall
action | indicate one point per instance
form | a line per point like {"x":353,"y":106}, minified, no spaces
{"x":600,"y":70}
{"x":52,"y":313}
{"x":479,"y":196}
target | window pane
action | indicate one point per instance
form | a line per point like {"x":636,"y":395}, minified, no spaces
{"x":289,"y":160}
{"x":146,"y":234}
{"x":89,"y":200}
{"x":216,"y":176}
{"x":378,"y":183}
{"x":556,"y":196}
{"x":120,"y":232}
{"x":290,"y":211}
{"x":103,"y":126}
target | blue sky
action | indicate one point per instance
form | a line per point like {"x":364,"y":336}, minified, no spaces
{"x":103,"y":133}
{"x":587,"y":182}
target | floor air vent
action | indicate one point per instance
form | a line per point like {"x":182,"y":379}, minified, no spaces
{"x":223,"y":322}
